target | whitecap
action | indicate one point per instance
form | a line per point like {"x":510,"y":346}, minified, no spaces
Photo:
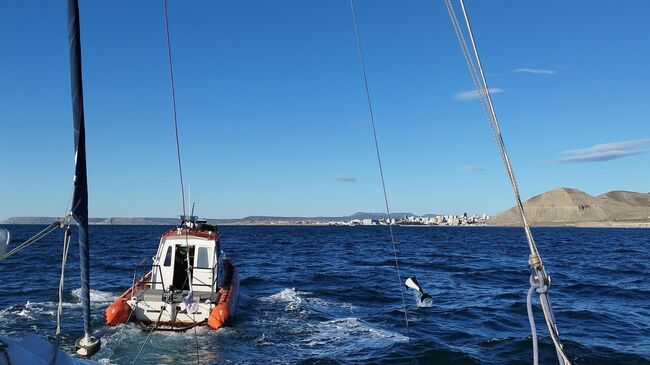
{"x":96,"y":296}
{"x":349,"y":335}
{"x":296,"y":300}
{"x":289,"y":296}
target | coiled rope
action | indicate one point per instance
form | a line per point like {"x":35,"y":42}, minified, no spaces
{"x":381,"y":170}
{"x":538,"y":274}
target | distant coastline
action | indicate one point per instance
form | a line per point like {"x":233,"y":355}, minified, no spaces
{"x":560,"y":207}
{"x":357,"y":219}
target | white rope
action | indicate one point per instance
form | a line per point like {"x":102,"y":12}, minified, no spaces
{"x":59,"y":309}
{"x":531,"y":318}
{"x":381,"y":170}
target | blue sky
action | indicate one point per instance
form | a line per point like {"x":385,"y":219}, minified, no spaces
{"x":272,"y":111}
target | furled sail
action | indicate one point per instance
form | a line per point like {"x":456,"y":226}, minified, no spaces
{"x":86,"y":346}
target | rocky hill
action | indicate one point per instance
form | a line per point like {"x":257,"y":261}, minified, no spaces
{"x":566,"y":206}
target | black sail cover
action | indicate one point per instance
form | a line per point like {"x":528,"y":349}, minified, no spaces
{"x":79,"y":208}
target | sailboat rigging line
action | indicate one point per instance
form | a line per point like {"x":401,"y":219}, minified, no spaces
{"x":180,"y":166}
{"x":501,"y":145}
{"x":59,"y":310}
{"x":162,"y":309}
{"x":473,"y":72}
{"x":173,"y":90}
{"x":381,"y":170}
{"x":538,"y":274}
{"x":119,"y":339}
{"x":47,"y":230}
{"x":196,"y":340}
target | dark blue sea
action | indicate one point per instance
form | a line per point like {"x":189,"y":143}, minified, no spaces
{"x":329,"y":295}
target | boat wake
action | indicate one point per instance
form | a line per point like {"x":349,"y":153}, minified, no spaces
{"x":348,"y":335}
{"x":41,"y":315}
{"x":322,"y":328}
{"x":304,"y":301}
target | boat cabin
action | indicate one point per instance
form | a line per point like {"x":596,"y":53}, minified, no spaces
{"x":193,"y":240}
{"x":165,"y":299}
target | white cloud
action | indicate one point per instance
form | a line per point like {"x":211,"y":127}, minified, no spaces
{"x":605,"y":151}
{"x":599,"y":156}
{"x":344,"y":178}
{"x":535,"y":71}
{"x":473,"y":94}
{"x":614,"y":146}
{"x":472,"y":168}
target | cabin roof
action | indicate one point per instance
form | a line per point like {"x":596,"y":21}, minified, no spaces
{"x":182,"y":232}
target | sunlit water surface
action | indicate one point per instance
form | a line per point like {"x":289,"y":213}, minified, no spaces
{"x":329,"y":295}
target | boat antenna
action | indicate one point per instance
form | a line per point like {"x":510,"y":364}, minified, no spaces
{"x":381,"y":170}
{"x":87,"y":345}
{"x":540,"y":281}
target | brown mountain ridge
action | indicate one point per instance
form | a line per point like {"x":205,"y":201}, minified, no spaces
{"x":572,"y":207}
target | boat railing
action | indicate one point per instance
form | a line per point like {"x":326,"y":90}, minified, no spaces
{"x":159,"y":274}
{"x":141,"y":281}
{"x":202,"y":283}
{"x":215,"y":276}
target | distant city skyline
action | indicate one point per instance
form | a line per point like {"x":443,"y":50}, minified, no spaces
{"x":272,"y":112}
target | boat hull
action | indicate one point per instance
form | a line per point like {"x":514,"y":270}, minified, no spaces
{"x":156,"y":309}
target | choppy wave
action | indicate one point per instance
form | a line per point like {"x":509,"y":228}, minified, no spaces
{"x":296,"y":300}
{"x":313,"y":295}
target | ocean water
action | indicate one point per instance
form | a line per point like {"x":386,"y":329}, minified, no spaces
{"x":329,"y":295}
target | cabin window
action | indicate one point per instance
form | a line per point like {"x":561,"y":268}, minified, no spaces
{"x":202,"y":258}
{"x":168,"y":256}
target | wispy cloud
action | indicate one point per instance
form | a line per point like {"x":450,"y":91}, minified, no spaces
{"x":535,"y":71}
{"x":355,"y":122}
{"x":605,"y":151}
{"x":473,"y":94}
{"x":344,"y":178}
{"x":614,"y":146}
{"x":472,"y":168}
{"x":599,"y":156}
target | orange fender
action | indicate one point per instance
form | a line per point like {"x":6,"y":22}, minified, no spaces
{"x":225,"y":308}
{"x":118,"y":312}
{"x":219,"y":315}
